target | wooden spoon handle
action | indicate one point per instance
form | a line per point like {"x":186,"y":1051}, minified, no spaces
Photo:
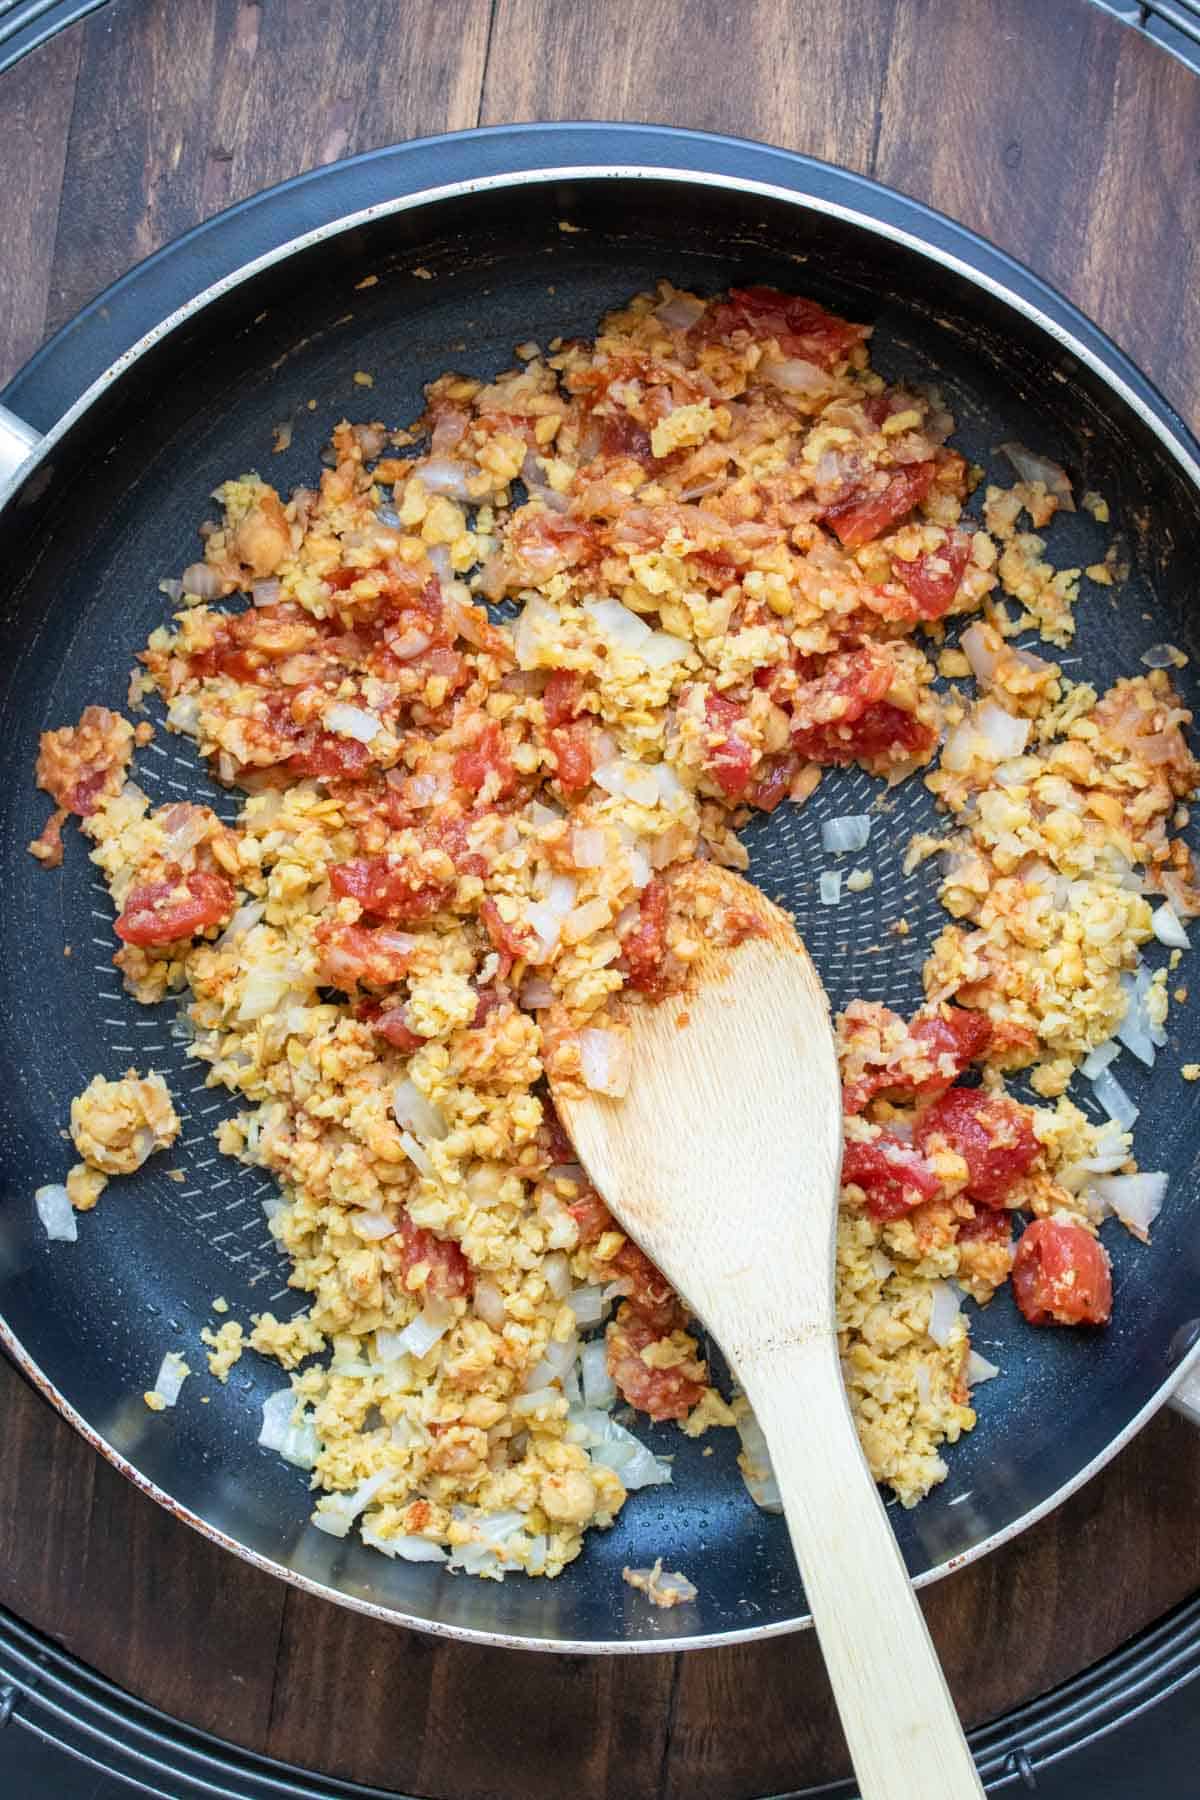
{"x":904,"y":1734}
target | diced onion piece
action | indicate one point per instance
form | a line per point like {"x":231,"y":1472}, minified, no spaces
{"x":796,"y":376}
{"x":599,"y":1388}
{"x":183,"y":714}
{"x":203,"y":581}
{"x":536,"y":991}
{"x":535,"y":1400}
{"x":407,"y":1547}
{"x":556,"y":1361}
{"x":430,"y":1324}
{"x":943,"y":1311}
{"x":924,"y":1384}
{"x":982,"y":645}
{"x":617,"y":1449}
{"x":413,"y":1112}
{"x":617,"y":623}
{"x":1097,"y":1060}
{"x":588,"y":1304}
{"x":850,"y":832}
{"x":757,"y":1470}
{"x":679,"y":312}
{"x":1031,"y":467}
{"x":830,"y":886}
{"x":266,"y":593}
{"x":1135,"y":1199}
{"x":1138,"y":1030}
{"x":561,"y":895}
{"x":589,"y":847}
{"x":297,"y":1444}
{"x":489,"y":1304}
{"x":416,"y":1153}
{"x":1114,"y":1100}
{"x":352,"y":722}
{"x":243,"y":920}
{"x":1167,"y":928}
{"x":389,"y":1346}
{"x":1160,"y":656}
{"x":374,"y":1226}
{"x":547,"y":924}
{"x":439,"y":475}
{"x":172,"y":1373}
{"x":1005,"y":734}
{"x":605,"y":1061}
{"x":57,"y":1214}
{"x":557,"y":1270}
{"x":661,"y":649}
{"x":337,"y":1512}
{"x":980,"y":1369}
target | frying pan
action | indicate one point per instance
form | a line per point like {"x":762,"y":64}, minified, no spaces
{"x":468,"y":240}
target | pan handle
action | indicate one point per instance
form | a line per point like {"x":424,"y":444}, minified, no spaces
{"x":18,"y":441}
{"x":1186,"y":1398}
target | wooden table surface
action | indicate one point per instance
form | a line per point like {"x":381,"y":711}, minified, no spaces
{"x":1045,"y":124}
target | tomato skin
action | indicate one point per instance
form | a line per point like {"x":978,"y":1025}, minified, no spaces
{"x":993,"y":1135}
{"x":450,"y":1273}
{"x":643,"y":949}
{"x":1062,"y":1275}
{"x":157,"y":912}
{"x":860,"y":518}
{"x":729,"y":762}
{"x":891,"y":1174}
{"x":933,"y":589}
{"x":388,"y":889}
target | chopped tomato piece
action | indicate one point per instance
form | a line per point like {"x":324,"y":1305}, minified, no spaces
{"x":1062,"y":1275}
{"x":515,"y":940}
{"x":389,"y":1023}
{"x":729,"y":760}
{"x":934,"y":579}
{"x":799,"y":326}
{"x":389,"y":888}
{"x":643,"y":950}
{"x":488,"y":755}
{"x":351,"y":953}
{"x":892,"y":1175}
{"x":880,"y":730}
{"x":992,"y":1225}
{"x":162,"y":912}
{"x":662,"y":1393}
{"x":573,"y":752}
{"x":327,"y":755}
{"x":952,"y":1032}
{"x":621,"y":435}
{"x":993,"y":1135}
{"x":948,"y":1037}
{"x":449,"y":1271}
{"x":862,"y":517}
{"x":646,"y":1285}
{"x":562,"y":696}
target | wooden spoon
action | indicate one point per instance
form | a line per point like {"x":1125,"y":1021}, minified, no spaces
{"x":722,"y":1161}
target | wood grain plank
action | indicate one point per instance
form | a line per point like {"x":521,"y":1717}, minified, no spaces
{"x":464,"y":1721}
{"x":184,"y":109}
{"x":38,"y":95}
{"x":794,"y":74}
{"x":1071,"y":141}
{"x":120,"y":1583}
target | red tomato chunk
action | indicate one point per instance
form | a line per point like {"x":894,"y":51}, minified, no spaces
{"x":162,"y":912}
{"x":449,"y":1271}
{"x":646,"y":945}
{"x":390,"y":889}
{"x":934,"y":579}
{"x":891,"y":1174}
{"x":993,"y":1135}
{"x":730,"y":758}
{"x":1062,"y":1275}
{"x":861,"y":517}
{"x":800,"y":327}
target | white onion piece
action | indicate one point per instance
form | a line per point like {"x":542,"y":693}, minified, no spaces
{"x":547,"y":926}
{"x":172,"y":1373}
{"x":183,"y":714}
{"x":1167,"y":928}
{"x":671,"y":791}
{"x":431,"y":1323}
{"x":536,"y":1400}
{"x":615,"y":1448}
{"x":1097,"y":1060}
{"x":557,"y":1271}
{"x":439,"y":475}
{"x":266,"y":593}
{"x":536,"y":992}
{"x":337,"y":1512}
{"x":980,"y":1369}
{"x":556,"y":1360}
{"x":489,"y":1304}
{"x":679,"y":312}
{"x":416,"y":1153}
{"x":1135,"y":1199}
{"x":982,"y":645}
{"x":605,"y":1061}
{"x":924,"y":1385}
{"x":57,"y":1214}
{"x":757,"y":1470}
{"x":1115,"y":1100}
{"x":203,"y":581}
{"x":413,"y":1112}
{"x":388,"y":1345}
{"x":410,"y":643}
{"x":1031,"y":467}
{"x":1158,"y":656}
{"x":617,"y":623}
{"x":407,"y":1547}
{"x":276,"y":1418}
{"x":795,"y":376}
{"x":352,"y":722}
{"x":374,"y":1226}
{"x":599,"y":1388}
{"x":850,"y":832}
{"x":561,"y":895}
{"x":1005,"y":735}
{"x":661,"y":649}
{"x":589,"y":847}
{"x":589,"y":1305}
{"x":629,"y":780}
{"x":1137,"y":1030}
{"x":943,"y":1311}
{"x":831,"y":887}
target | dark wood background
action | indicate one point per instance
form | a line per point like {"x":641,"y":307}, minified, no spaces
{"x":1045,"y":124}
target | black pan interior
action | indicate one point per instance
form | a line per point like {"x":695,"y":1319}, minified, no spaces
{"x":458,"y":284}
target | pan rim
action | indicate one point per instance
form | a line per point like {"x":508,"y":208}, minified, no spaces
{"x":1175,"y":439}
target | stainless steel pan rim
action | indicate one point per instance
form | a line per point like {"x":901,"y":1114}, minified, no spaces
{"x":23,"y":452}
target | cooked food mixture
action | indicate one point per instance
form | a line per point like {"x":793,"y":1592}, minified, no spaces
{"x":720,"y":555}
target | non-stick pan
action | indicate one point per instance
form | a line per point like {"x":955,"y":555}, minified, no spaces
{"x":479,"y":242}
